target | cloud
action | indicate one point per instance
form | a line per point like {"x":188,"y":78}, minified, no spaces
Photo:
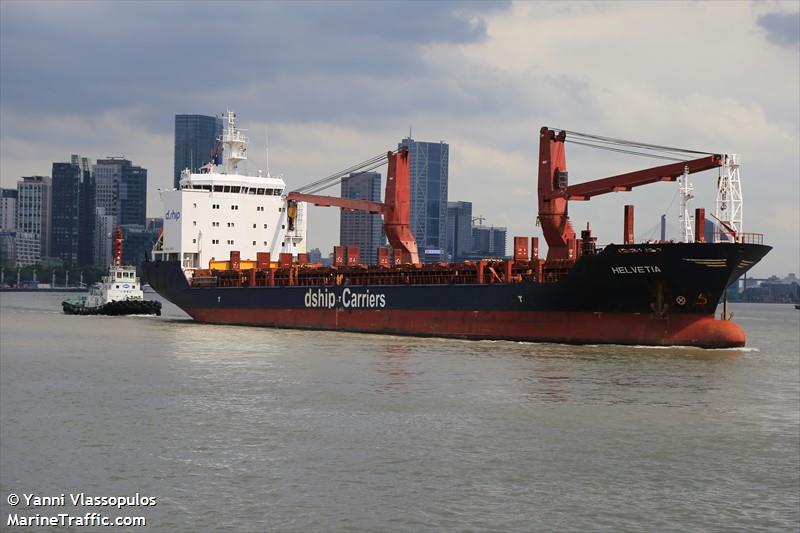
{"x":338,"y":82}
{"x":782,"y":27}
{"x":90,"y":55}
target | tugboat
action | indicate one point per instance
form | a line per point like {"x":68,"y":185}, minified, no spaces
{"x":119,"y":292}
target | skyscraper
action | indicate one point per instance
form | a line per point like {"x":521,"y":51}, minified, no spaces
{"x":429,"y":174}
{"x":8,"y":224}
{"x":86,"y":212}
{"x":8,"y":209}
{"x":459,"y":229}
{"x":65,"y":212}
{"x":358,"y":227}
{"x":103,"y":230}
{"x":32,"y":240}
{"x":195,"y":139}
{"x":120,"y":198}
{"x":72,"y":224}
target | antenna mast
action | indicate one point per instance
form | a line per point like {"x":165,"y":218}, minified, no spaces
{"x":729,"y":199}
{"x":685,"y":218}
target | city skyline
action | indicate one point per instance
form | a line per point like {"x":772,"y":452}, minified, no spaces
{"x":485,"y":83}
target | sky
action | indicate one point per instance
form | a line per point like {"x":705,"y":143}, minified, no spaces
{"x":337,"y":82}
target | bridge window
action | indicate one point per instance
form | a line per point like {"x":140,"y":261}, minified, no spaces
{"x":235,"y":189}
{"x":218,"y":188}
{"x":260,"y":190}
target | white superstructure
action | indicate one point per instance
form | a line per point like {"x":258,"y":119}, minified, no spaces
{"x":120,"y":283}
{"x":219,"y":210}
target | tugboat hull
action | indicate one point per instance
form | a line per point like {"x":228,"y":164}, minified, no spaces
{"x":115,"y":308}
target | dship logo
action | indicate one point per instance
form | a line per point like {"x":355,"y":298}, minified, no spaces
{"x":172,"y":215}
{"x":349,"y":299}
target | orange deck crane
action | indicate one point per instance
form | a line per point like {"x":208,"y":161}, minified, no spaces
{"x":555,"y":191}
{"x":395,"y":208}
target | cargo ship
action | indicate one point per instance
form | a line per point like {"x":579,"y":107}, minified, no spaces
{"x":642,"y":293}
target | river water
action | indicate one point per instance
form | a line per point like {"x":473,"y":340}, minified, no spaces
{"x":249,"y":429}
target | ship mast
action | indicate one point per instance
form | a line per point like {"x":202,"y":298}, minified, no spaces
{"x":729,"y":199}
{"x":684,"y":217}
{"x":234,"y":145}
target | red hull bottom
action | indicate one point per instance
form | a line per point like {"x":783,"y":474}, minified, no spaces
{"x":573,"y":328}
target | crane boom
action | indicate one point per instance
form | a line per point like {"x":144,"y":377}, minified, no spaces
{"x":555,"y":192}
{"x":626,"y":182}
{"x":333,"y":201}
{"x":395,"y":209}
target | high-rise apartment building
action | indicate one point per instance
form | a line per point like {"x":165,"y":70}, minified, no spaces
{"x":120,"y":193}
{"x":195,"y":141}
{"x":103,"y":233}
{"x":429,"y":175}
{"x":459,"y":230}
{"x":489,"y":241}
{"x":8,"y":209}
{"x":73,"y":211}
{"x":8,"y":222}
{"x":32,"y":240}
{"x":137,"y":243}
{"x":65,"y":212}
{"x":358,"y":227}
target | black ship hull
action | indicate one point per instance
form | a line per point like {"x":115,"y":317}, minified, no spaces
{"x":116,"y":308}
{"x":652,"y":294}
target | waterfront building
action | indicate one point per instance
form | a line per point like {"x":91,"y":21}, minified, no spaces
{"x":154,"y":224}
{"x":489,"y":241}
{"x":8,"y":222}
{"x":196,"y":138}
{"x":459,"y":230}
{"x":315,"y":256}
{"x":137,"y":243}
{"x":73,"y":211}
{"x":64,"y":212}
{"x":121,"y":192}
{"x":32,"y":239}
{"x":358,"y":227}
{"x":709,"y":230}
{"x":428,"y":171}
{"x":8,"y":209}
{"x":103,"y":232}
